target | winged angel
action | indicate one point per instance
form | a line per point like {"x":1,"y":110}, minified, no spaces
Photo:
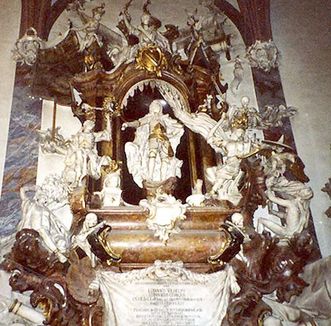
{"x":232,"y":143}
{"x":122,"y":45}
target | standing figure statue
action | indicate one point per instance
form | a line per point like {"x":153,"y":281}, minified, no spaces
{"x":80,"y":154}
{"x":151,"y":156}
{"x":148,"y":31}
{"x":238,"y":74}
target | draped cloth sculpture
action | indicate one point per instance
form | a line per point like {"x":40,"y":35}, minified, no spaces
{"x":174,"y":293}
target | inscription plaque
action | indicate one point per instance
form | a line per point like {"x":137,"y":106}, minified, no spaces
{"x":166,"y":294}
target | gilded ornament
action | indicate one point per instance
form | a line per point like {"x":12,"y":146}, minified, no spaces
{"x":152,"y":59}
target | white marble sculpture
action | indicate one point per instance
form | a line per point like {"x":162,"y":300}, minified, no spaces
{"x":80,"y":154}
{"x":253,"y":120}
{"x":88,"y":32}
{"x":147,"y":32}
{"x":27,"y":47}
{"x":294,"y":198}
{"x":51,"y":140}
{"x":80,"y":240}
{"x":238,"y":74}
{"x":197,"y":197}
{"x":111,"y":193}
{"x":225,"y":179}
{"x":49,"y":214}
{"x":225,"y":137}
{"x":245,"y":116}
{"x":151,"y":156}
{"x":165,"y":212}
{"x":263,"y":55}
{"x":273,"y":115}
{"x":82,"y":158}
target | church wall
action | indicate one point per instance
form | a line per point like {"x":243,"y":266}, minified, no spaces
{"x":301,"y":33}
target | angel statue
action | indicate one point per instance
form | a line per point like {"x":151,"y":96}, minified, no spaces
{"x":80,"y":153}
{"x":151,"y":156}
{"x":92,"y":30}
{"x":293,"y":198}
{"x":148,"y":31}
{"x":233,"y":144}
{"x":88,"y":33}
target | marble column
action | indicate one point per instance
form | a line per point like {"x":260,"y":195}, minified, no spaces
{"x":22,"y":153}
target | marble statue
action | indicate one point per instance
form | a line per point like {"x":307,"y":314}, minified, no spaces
{"x":272,"y":115}
{"x":151,"y":156}
{"x":49,"y":214}
{"x":228,"y":137}
{"x":80,"y":240}
{"x":147,"y":33}
{"x":249,"y":117}
{"x":111,"y":192}
{"x":225,"y":179}
{"x":294,"y":198}
{"x":197,"y":198}
{"x":165,"y":211}
{"x":245,"y":116}
{"x":51,"y":140}
{"x":88,"y":33}
{"x":27,"y":47}
{"x":81,"y":158}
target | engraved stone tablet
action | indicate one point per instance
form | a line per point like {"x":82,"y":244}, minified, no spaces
{"x":166,"y":294}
